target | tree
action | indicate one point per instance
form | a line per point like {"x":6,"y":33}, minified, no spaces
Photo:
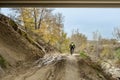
{"x":29,"y":16}
{"x":116,"y":33}
{"x":24,"y":17}
{"x":44,"y":23}
{"x":63,"y":43}
{"x":97,"y":38}
{"x":53,"y":27}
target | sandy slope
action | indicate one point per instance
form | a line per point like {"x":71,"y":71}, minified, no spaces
{"x":15,"y":48}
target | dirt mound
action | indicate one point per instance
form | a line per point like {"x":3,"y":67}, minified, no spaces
{"x":15,"y":45}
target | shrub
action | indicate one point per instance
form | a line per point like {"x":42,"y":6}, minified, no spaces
{"x":118,"y":54}
{"x":83,"y":54}
{"x":2,"y":62}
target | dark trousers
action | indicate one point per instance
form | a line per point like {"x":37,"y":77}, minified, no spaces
{"x":71,"y":51}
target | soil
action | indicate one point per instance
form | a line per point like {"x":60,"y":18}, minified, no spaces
{"x":67,"y":67}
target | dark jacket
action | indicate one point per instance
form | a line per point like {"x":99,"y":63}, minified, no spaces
{"x":72,"y":46}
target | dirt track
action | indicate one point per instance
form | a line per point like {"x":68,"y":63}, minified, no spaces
{"x":71,"y":69}
{"x":64,"y":67}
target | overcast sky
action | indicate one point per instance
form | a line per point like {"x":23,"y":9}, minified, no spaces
{"x":89,"y":20}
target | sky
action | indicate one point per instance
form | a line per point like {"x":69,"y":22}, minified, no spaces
{"x":89,"y":20}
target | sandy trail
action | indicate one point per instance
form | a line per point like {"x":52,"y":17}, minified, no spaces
{"x":71,"y":69}
{"x":65,"y":69}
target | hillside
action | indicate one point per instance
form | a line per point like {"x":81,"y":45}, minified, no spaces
{"x":16,"y":46}
{"x":21,"y":58}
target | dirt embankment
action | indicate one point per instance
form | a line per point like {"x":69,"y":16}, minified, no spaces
{"x":63,"y":67}
{"x":15,"y":45}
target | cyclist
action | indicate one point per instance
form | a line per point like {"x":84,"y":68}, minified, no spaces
{"x":72,"y":47}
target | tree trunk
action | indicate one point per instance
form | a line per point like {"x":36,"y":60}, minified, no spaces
{"x":35,"y":18}
{"x":41,"y":16}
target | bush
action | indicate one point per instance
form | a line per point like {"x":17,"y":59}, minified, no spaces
{"x":83,"y":54}
{"x":2,"y":62}
{"x":117,"y":54}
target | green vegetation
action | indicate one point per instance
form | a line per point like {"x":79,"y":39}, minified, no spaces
{"x":2,"y":62}
{"x":83,"y":54}
{"x":118,"y":54}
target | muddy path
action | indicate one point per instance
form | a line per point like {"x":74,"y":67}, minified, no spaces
{"x":61,"y":67}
